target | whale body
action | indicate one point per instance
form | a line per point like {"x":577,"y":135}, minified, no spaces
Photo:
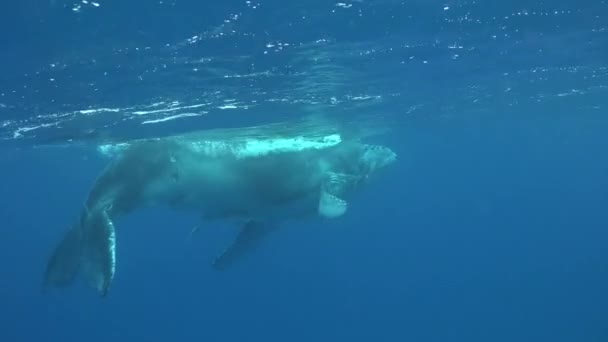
{"x":259,"y":177}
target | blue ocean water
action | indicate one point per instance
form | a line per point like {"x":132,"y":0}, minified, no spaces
{"x":491,"y":225}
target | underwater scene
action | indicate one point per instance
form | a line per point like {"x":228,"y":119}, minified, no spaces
{"x":366,"y":170}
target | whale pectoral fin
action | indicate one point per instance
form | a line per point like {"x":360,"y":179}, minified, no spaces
{"x":245,"y":242}
{"x":98,"y":260}
{"x":331,"y":206}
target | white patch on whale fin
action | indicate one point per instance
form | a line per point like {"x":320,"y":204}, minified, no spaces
{"x":98,"y":259}
{"x":331,"y":206}
{"x":246,"y":241}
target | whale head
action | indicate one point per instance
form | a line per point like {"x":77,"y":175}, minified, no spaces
{"x":376,"y":157}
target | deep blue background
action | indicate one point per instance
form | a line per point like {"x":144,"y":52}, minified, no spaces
{"x":484,"y":231}
{"x":492,"y":226}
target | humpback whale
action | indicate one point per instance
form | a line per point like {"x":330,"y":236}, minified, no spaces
{"x":260,"y":176}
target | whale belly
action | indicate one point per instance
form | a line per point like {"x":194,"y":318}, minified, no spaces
{"x":257,"y":187}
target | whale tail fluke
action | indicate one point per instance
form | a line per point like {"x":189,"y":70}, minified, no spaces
{"x":88,"y":249}
{"x":64,"y":264}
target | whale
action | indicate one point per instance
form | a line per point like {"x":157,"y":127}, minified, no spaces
{"x":259,"y":177}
